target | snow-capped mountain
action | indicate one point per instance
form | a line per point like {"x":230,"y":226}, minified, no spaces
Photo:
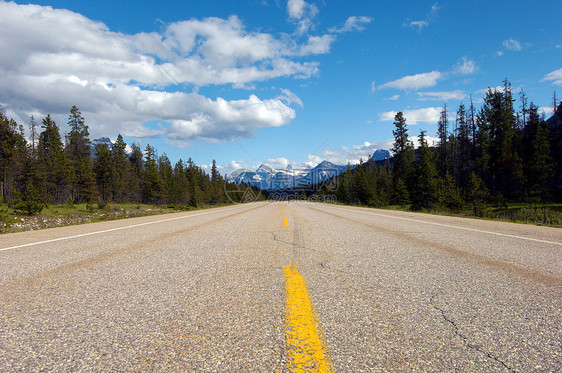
{"x":96,"y":142}
{"x":380,"y":155}
{"x":268,"y":178}
{"x":322,"y":172}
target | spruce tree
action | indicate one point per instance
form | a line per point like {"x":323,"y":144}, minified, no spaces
{"x":403,"y":149}
{"x":443,"y":133}
{"x":152,"y":186}
{"x":53,"y":165}
{"x":79,"y":154}
{"x":103,"y":171}
{"x":463,"y":157}
{"x":120,"y":170}
{"x":424,"y":192}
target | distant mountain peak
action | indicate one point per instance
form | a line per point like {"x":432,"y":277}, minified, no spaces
{"x":380,"y":155}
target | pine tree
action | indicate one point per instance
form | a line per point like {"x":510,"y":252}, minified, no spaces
{"x":79,"y":153}
{"x":120,"y":171}
{"x":53,"y":165}
{"x":473,"y":128}
{"x":450,"y":195}
{"x":463,"y":157}
{"x":179,"y":192}
{"x":13,"y":156}
{"x":214,"y":172}
{"x":403,"y":149}
{"x":103,"y":171}
{"x":424,"y":193}
{"x":343,"y":192}
{"x":400,"y":195}
{"x":541,"y":170}
{"x":152,"y":186}
{"x":363,"y":185}
{"x":503,"y":166}
{"x":135,"y":173}
{"x":166,"y":175}
{"x":442,"y":131}
{"x":33,"y":134}
{"x":29,"y":203}
{"x":476,"y":193}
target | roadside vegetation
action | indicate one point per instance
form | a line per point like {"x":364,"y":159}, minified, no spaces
{"x":47,"y":180}
{"x":495,"y":162}
{"x":546,"y":214}
{"x":14,"y":220}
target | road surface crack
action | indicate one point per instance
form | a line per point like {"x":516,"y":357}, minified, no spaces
{"x":465,"y":338}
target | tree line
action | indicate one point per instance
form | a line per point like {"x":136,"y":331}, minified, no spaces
{"x":46,"y":169}
{"x":495,"y":154}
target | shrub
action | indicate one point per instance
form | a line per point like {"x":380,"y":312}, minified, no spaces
{"x":29,"y":204}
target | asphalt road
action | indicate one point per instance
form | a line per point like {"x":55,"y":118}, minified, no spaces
{"x":208,"y":291}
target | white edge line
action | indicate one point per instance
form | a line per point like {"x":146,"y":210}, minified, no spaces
{"x":112,"y":229}
{"x":447,"y":225}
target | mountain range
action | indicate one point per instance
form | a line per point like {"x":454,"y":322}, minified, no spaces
{"x":267,"y":178}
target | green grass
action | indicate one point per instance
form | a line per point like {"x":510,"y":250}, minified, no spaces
{"x":64,"y":215}
{"x":545,"y":214}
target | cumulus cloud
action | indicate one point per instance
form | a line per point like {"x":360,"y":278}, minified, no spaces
{"x":512,"y":45}
{"x":353,"y":155}
{"x":302,"y":14}
{"x":555,"y":77}
{"x":353,"y":23}
{"x":394,"y":98}
{"x":222,"y":119}
{"x":415,"y":82}
{"x":442,"y":96}
{"x":425,"y":115}
{"x":54,"y":58}
{"x":316,"y":45}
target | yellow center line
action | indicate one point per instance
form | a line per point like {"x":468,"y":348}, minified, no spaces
{"x":282,"y":210}
{"x":285,"y":222}
{"x":306,"y":347}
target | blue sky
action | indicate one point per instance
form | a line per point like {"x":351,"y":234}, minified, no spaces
{"x":276,"y":82}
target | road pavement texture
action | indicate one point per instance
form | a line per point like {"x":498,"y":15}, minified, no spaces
{"x":275,"y":287}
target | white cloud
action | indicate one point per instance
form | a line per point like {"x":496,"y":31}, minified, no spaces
{"x":316,"y":45}
{"x":345,"y":155}
{"x":512,"y":44}
{"x":554,"y":76}
{"x":290,"y":98}
{"x":465,"y":67}
{"x":394,"y":98}
{"x":431,"y":140}
{"x":442,"y":96}
{"x":416,"y":81}
{"x":54,"y":58}
{"x":547,"y":110}
{"x":498,"y":88}
{"x":301,"y":13}
{"x":419,"y":25}
{"x":240,"y":118}
{"x":425,"y":115}
{"x":353,"y":23}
